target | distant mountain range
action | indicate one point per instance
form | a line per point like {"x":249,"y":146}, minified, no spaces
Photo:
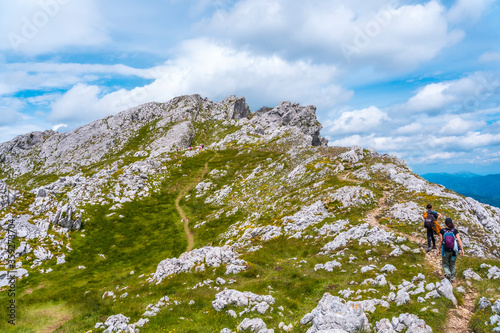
{"x":485,"y":189}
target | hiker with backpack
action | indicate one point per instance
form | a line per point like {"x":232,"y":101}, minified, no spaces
{"x":432,"y":225}
{"x":451,"y":246}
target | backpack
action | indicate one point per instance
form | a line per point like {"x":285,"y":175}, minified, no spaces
{"x":449,"y":240}
{"x":429,"y":220}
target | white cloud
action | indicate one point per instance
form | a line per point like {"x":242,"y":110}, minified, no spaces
{"x":465,"y":94}
{"x":412,"y":128}
{"x":77,"y":105}
{"x":37,"y":27}
{"x":370,"y":33}
{"x":36,"y":76}
{"x":444,"y":156}
{"x":468,"y":10}
{"x":12,"y":130}
{"x":457,"y":126}
{"x":358,"y":121}
{"x":216,"y":72}
{"x":58,"y":126}
{"x":432,"y":96}
{"x":9,"y":110}
{"x":490,"y":57}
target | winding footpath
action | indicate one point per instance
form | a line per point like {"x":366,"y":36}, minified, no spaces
{"x":459,"y":317}
{"x":182,"y":193}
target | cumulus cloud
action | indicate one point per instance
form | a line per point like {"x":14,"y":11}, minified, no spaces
{"x":458,"y":126}
{"x":338,"y":31}
{"x":78,"y":105}
{"x":358,"y":121}
{"x":270,"y":79}
{"x":464,"y":94}
{"x":431,"y":97}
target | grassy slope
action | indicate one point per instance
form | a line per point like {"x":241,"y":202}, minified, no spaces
{"x":150,"y":231}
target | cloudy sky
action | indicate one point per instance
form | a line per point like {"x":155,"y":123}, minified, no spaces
{"x":415,"y":79}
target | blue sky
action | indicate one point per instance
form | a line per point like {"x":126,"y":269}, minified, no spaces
{"x":415,"y":79}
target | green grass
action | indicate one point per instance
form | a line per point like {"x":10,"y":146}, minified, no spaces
{"x":151,"y":231}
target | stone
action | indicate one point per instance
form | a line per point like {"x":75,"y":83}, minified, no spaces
{"x":470,"y":274}
{"x":484,"y":303}
{"x":402,"y":297}
{"x":241,"y":299}
{"x":254,"y":325}
{"x":210,"y":256}
{"x":7,"y":195}
{"x":332,"y":313}
{"x":329,"y":266}
{"x":496,"y":307}
{"x":352,"y":196}
{"x":388,"y":268}
{"x":307,"y":216}
{"x":354,"y":155}
{"x":406,"y":211}
{"x":494,"y":273}
{"x":446,"y":290}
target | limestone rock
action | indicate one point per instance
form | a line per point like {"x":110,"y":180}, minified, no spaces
{"x":332,"y":313}
{"x":352,"y":196}
{"x":242,"y":299}
{"x":211,"y":256}
{"x":446,"y":289}
{"x":470,"y":274}
{"x":406,"y":211}
{"x":308,"y":215}
{"x":7,"y":195}
{"x":292,"y":114}
{"x":354,"y":155}
{"x":256,"y":325}
{"x":484,"y":303}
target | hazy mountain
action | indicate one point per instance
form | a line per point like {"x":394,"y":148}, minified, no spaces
{"x":485,"y":189}
{"x":200,"y":216}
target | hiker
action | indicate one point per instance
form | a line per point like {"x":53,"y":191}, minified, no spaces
{"x":451,"y":246}
{"x":432,"y":225}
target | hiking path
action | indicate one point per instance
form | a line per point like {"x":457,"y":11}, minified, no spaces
{"x":459,"y":317}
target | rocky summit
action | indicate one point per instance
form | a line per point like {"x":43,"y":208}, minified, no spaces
{"x":202,"y":216}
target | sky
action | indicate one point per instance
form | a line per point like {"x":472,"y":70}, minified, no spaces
{"x":416,"y":79}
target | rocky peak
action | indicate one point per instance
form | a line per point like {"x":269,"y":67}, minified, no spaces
{"x":168,"y":125}
{"x":293,"y":114}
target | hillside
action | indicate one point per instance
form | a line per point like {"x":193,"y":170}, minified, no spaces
{"x":485,"y":189}
{"x":121,"y":226}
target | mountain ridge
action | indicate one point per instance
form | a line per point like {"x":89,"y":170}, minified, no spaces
{"x":482,"y":188}
{"x":287,"y":231}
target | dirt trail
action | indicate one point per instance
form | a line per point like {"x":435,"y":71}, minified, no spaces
{"x":55,"y":316}
{"x":458,"y":318}
{"x":182,"y":193}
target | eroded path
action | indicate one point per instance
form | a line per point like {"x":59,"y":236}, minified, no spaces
{"x":182,"y":193}
{"x":459,"y":317}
